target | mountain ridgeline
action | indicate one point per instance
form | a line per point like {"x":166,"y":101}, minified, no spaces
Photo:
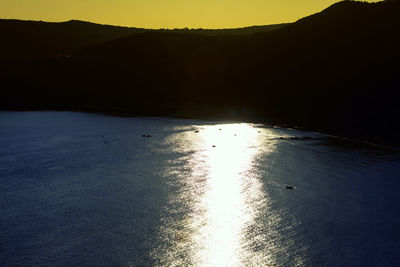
{"x":336,"y":71}
{"x":27,"y":40}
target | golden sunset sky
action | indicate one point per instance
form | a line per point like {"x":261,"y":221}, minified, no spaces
{"x":165,"y":13}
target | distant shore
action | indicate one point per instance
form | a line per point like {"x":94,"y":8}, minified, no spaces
{"x":332,"y":138}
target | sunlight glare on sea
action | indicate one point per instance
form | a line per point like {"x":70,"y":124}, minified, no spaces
{"x":223,"y":193}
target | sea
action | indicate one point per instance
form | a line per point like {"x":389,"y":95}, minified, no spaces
{"x":87,"y":189}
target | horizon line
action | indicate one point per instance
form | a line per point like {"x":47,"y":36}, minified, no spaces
{"x":134,"y":27}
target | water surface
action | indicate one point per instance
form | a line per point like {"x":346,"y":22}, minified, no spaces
{"x":89,"y":189}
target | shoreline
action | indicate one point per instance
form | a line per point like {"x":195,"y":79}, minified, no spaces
{"x":330,"y":137}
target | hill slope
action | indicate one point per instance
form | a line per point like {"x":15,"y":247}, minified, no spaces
{"x":27,"y":40}
{"x":35,"y":39}
{"x":335,"y":71}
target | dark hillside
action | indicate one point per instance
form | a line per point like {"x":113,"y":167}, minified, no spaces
{"x":27,"y":40}
{"x":336,"y":71}
{"x":237,"y":31}
{"x":34,"y":39}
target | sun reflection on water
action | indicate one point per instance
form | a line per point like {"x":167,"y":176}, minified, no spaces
{"x":224,"y":202}
{"x":219,"y":196}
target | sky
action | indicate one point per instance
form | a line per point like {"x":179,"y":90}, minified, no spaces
{"x":165,"y":13}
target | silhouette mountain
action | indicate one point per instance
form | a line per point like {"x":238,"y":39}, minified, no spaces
{"x":26,"y":40}
{"x":36,"y":39}
{"x":335,"y":71}
{"x":234,"y":31}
